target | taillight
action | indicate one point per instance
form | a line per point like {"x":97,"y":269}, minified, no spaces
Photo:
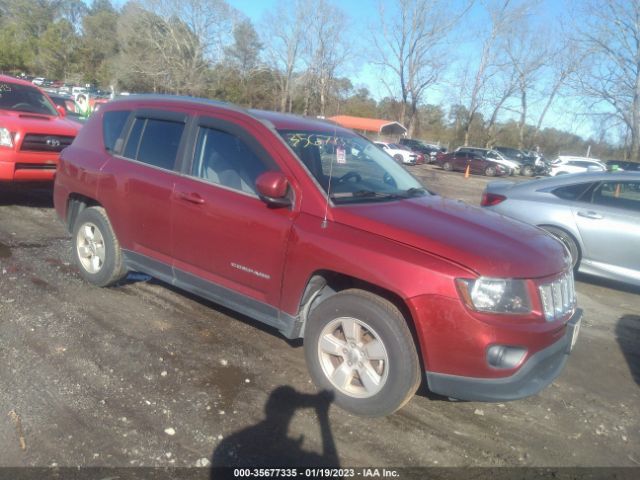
{"x":491,"y":199}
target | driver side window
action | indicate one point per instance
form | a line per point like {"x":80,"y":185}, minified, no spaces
{"x":224,"y":159}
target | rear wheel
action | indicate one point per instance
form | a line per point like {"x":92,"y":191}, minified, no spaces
{"x":490,"y":171}
{"x":358,"y":345}
{"x":569,"y":242}
{"x":447,"y":166}
{"x":527,"y":171}
{"x":96,"y":249}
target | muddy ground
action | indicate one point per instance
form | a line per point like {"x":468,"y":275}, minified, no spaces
{"x":144,"y":374}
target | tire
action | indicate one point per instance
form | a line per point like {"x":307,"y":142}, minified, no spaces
{"x":567,"y":239}
{"x":447,"y":166}
{"x":96,"y":249}
{"x":386,"y":383}
{"x":490,"y":171}
{"x":527,"y":171}
{"x":398,"y":158}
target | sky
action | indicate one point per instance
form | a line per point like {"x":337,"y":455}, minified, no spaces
{"x":363,"y":15}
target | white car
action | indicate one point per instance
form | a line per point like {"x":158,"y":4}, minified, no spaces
{"x":398,"y":152}
{"x":568,"y":164}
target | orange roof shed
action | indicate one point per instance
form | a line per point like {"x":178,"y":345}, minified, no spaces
{"x":383,"y":127}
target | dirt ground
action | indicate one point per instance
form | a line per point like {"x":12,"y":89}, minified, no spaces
{"x":143,"y":374}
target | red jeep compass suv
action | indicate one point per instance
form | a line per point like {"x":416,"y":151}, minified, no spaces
{"x":313,"y":230}
{"x":32,"y":132}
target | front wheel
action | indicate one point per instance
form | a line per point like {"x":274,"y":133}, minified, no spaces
{"x":96,"y":249}
{"x":358,"y":345}
{"x":447,"y":166}
{"x":527,"y":171}
{"x":569,"y":242}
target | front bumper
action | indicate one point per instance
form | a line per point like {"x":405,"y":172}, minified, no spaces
{"x":536,"y":373}
{"x":42,"y":169}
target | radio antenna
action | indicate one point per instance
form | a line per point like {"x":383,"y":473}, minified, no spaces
{"x":333,"y":157}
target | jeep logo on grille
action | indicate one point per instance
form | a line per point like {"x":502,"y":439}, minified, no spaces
{"x":53,"y":142}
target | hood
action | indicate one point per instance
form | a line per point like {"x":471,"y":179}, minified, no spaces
{"x":37,"y":123}
{"x":486,"y":242}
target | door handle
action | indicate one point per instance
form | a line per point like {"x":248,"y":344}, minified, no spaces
{"x":591,"y":214}
{"x":191,"y":197}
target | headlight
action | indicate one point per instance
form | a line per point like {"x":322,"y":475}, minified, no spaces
{"x":6,"y":140}
{"x":497,"y":295}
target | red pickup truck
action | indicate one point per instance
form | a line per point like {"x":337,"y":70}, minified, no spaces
{"x":33,"y":132}
{"x":311,"y":229}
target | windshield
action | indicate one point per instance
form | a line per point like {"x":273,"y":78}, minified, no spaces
{"x":350,"y":168}
{"x":22,"y":98}
{"x":510,"y":152}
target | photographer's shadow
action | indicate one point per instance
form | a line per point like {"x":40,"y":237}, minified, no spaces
{"x":268,"y":445}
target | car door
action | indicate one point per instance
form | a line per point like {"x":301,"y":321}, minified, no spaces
{"x":610,"y":227}
{"x":459,"y":161}
{"x":224,"y":234}
{"x":141,"y":175}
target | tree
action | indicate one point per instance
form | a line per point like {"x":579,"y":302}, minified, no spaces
{"x":26,"y":21}
{"x":243,"y":55}
{"x":285,"y":27}
{"x":169,"y":45}
{"x":501,"y":89}
{"x":566,"y":61}
{"x":99,"y":45}
{"x":408,"y":46}
{"x":325,"y":53}
{"x":58,"y":49}
{"x":501,"y":14}
{"x":610,"y":77}
{"x":360,"y":104}
{"x":527,"y":57}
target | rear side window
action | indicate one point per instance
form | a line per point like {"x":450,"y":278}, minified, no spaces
{"x":572,"y":192}
{"x":112,"y":125}
{"x":624,"y":195}
{"x":154,"y":142}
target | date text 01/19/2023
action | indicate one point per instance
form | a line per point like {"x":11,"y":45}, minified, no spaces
{"x":315,"y":473}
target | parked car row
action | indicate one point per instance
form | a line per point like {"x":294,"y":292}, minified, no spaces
{"x":401,"y":153}
{"x":477,"y":164}
{"x":429,"y":150}
{"x":570,"y":164}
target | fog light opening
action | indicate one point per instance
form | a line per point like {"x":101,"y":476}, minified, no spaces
{"x":503,"y":356}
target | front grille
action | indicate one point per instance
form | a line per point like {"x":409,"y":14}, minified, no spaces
{"x":558,"y":297}
{"x":35,"y":166}
{"x":35,"y":142}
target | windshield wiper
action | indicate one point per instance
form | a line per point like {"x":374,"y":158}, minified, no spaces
{"x":359,"y":195}
{"x":370,"y":193}
{"x":415,"y":192}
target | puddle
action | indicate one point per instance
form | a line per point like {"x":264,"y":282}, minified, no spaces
{"x":227,"y":382}
{"x":5,"y":251}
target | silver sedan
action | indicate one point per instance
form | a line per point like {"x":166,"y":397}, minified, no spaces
{"x":596,"y":215}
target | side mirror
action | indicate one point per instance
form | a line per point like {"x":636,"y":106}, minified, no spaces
{"x":273,"y":189}
{"x":61,"y":111}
